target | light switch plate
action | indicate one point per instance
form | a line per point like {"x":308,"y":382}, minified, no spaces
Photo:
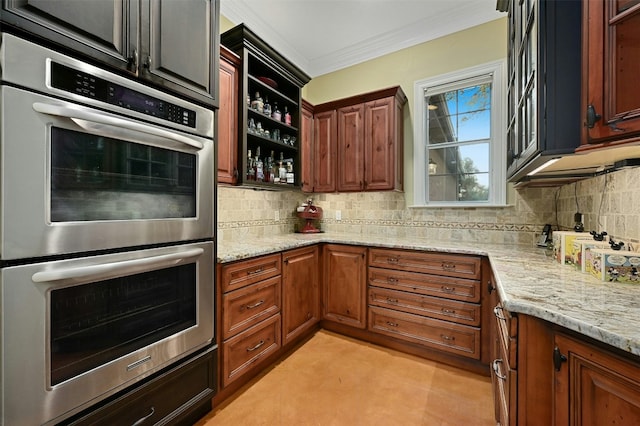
{"x":338,"y":214}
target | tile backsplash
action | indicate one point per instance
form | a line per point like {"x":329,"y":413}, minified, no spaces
{"x":608,"y":202}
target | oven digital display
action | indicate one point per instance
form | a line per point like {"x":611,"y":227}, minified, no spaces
{"x":89,"y":86}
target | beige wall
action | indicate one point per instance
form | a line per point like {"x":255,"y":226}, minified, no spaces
{"x":245,"y":213}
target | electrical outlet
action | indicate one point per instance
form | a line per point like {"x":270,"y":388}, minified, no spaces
{"x":338,"y":215}
{"x":277,"y":215}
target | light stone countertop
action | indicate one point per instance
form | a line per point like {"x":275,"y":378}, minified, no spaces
{"x":528,"y":282}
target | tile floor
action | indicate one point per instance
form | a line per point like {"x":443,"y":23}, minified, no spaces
{"x":336,"y":380}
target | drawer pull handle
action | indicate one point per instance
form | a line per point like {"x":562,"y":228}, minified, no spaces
{"x":392,"y":324}
{"x":448,"y":289}
{"x":447,"y":338}
{"x":140,"y":421}
{"x":390,"y":300}
{"x":496,"y":369}
{"x":255,"y":305}
{"x":448,"y":266}
{"x":257,"y":271}
{"x":260,"y":343}
{"x":392,"y":280}
{"x":497,"y":311}
{"x":448,"y":311}
{"x":392,"y":259}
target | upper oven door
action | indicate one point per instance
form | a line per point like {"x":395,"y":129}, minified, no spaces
{"x":78,"y":179}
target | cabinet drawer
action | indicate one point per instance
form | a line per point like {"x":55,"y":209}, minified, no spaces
{"x":434,"y":307}
{"x":430,"y":285}
{"x":442,"y":335}
{"x":249,"y":305}
{"x":243,"y":351}
{"x":240,"y":274}
{"x":170,"y":398}
{"x":507,"y":328}
{"x":451,"y":265}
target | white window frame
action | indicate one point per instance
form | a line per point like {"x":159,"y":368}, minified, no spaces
{"x":497,"y":156}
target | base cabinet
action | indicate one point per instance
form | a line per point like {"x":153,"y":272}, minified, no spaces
{"x":431,"y":299}
{"x":594,"y":387}
{"x":300,"y":291}
{"x":345,"y":285}
{"x":250,"y":318}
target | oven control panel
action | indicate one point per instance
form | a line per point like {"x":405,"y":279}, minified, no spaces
{"x":89,"y":86}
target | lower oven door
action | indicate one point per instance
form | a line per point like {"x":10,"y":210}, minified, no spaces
{"x":78,"y":179}
{"x":76,"y":331}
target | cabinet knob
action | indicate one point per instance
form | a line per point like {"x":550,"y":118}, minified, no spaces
{"x":592,"y":116}
{"x":558,"y":358}
{"x":132,"y":61}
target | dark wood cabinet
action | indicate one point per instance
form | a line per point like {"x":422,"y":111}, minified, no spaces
{"x":324,"y":166}
{"x":610,"y":90}
{"x":594,"y":387}
{"x":172,"y":45}
{"x":345,"y":285}
{"x":266,"y":72}
{"x":543,"y":82}
{"x":359,"y":142}
{"x":228,"y":117}
{"x":300,"y":291}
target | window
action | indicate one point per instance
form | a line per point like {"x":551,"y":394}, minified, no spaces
{"x":459,"y":154}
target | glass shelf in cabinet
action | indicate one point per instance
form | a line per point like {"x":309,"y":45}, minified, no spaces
{"x":272,"y":142}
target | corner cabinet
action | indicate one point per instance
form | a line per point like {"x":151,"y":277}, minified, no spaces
{"x":543,"y":90}
{"x":171,"y":45}
{"x":268,"y":143}
{"x":345,"y":285}
{"x":300,"y":292}
{"x":611,"y":94}
{"x":359,"y":142}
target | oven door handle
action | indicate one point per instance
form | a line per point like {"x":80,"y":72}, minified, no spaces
{"x":89,"y":120}
{"x":114,"y":269}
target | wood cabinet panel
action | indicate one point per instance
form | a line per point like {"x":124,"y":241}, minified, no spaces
{"x":306,"y":147}
{"x":239,"y":274}
{"x":345,"y":285}
{"x":350,"y":148}
{"x":301,"y":291}
{"x":610,"y":42}
{"x":594,"y":387}
{"x":325,"y":128}
{"x":434,"y":307}
{"x":434,"y":263}
{"x":243,"y":351}
{"x":442,"y":335}
{"x":381,"y":144}
{"x":228,"y":117}
{"x":432,"y":285}
{"x":249,"y":305}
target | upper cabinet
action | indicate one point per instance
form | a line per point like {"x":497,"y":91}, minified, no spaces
{"x":543,"y":118}
{"x":228,"y":117}
{"x":269,"y":112}
{"x":611,"y":93}
{"x":172,"y":45}
{"x":358,"y":142}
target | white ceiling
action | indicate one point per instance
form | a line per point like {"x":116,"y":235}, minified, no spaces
{"x":321,"y":36}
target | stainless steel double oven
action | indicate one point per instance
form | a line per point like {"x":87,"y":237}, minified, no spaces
{"x":106,"y":232}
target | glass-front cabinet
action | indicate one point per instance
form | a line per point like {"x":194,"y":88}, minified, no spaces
{"x":543,"y":82}
{"x":269,"y":113}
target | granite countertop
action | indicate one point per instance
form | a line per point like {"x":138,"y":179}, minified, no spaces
{"x":528,"y":282}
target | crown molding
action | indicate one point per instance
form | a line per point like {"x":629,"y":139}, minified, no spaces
{"x":456,"y":19}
